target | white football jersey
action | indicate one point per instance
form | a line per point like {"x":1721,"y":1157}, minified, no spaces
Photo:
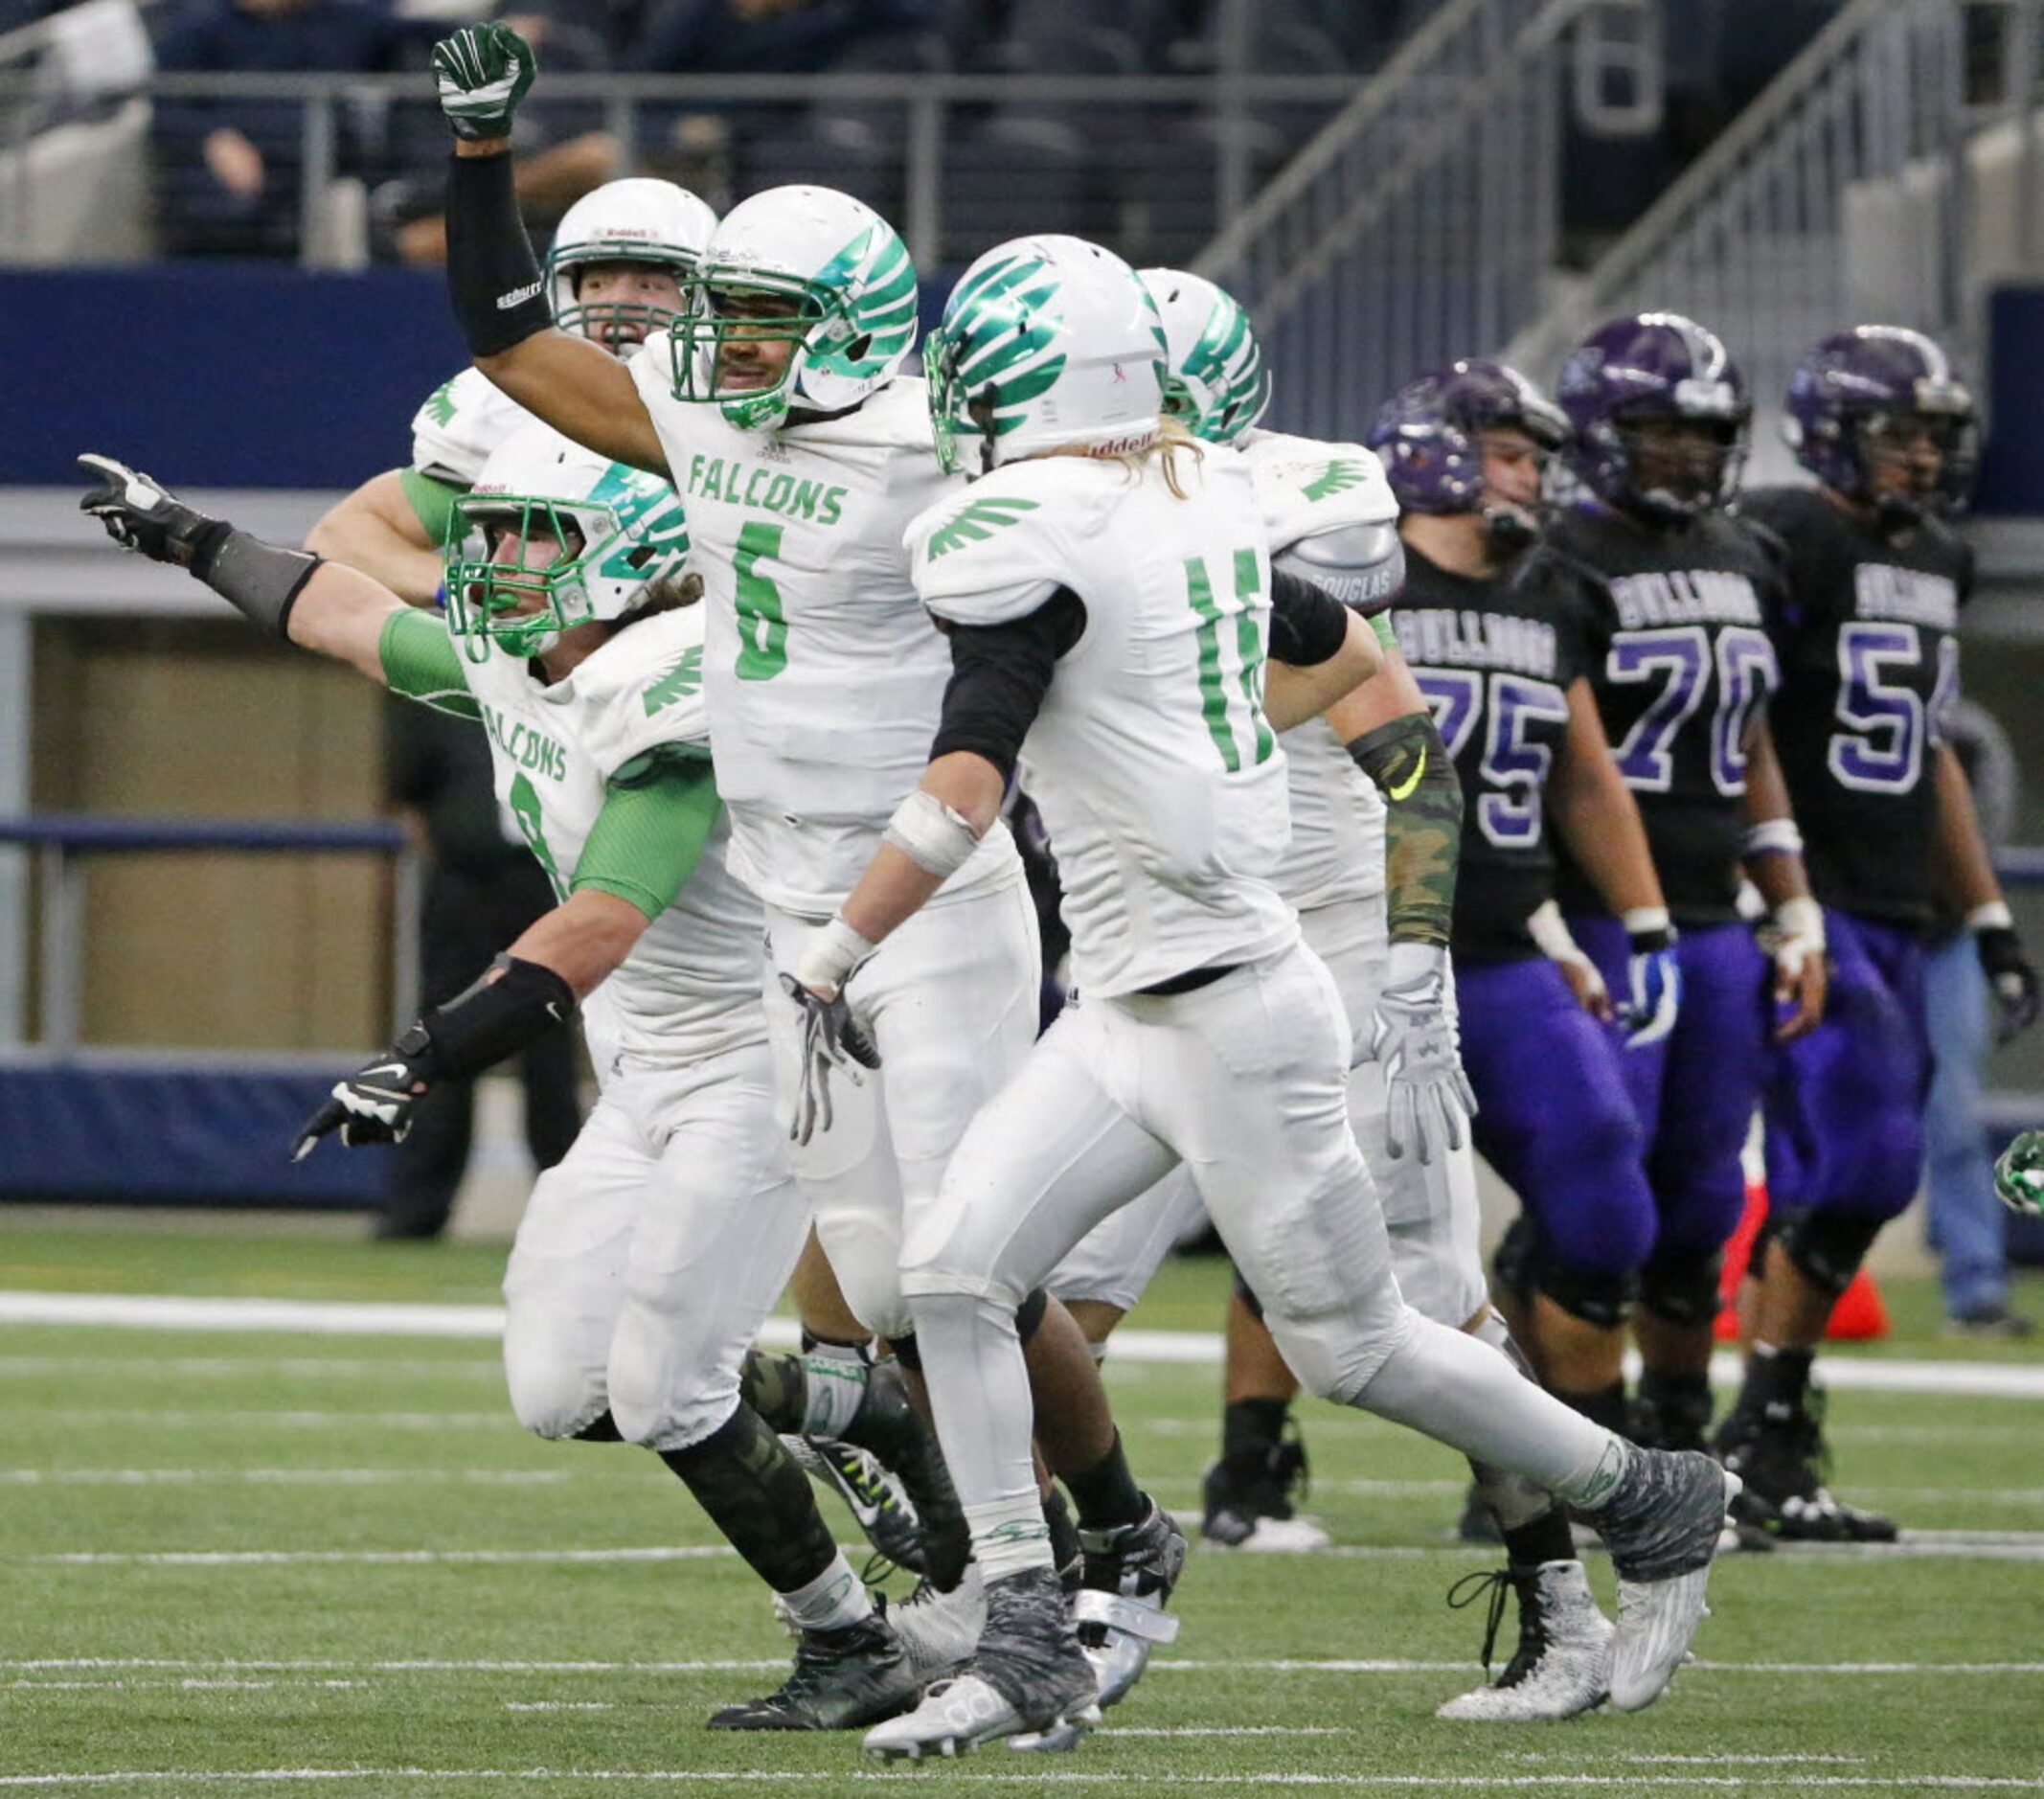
{"x":1337,"y":851}
{"x":691,"y":986}
{"x":1160,"y":780}
{"x":825,"y":675}
{"x":462,"y":421}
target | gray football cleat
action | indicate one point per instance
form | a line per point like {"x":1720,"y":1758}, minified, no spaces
{"x":842,"y":1681}
{"x":1663,"y":1526}
{"x":1562,"y":1666}
{"x":1120,"y":1610}
{"x":1030,"y":1674}
{"x":939,"y":1630}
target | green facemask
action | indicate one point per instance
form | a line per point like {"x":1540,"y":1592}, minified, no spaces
{"x":491,"y":593}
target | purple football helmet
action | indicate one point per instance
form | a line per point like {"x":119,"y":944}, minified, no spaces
{"x":1427,"y":432}
{"x":1650,"y":368}
{"x":1859,"y":383}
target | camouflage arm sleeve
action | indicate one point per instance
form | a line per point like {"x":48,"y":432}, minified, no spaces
{"x":656,"y":818}
{"x":421,"y":662}
{"x":1422,"y":825}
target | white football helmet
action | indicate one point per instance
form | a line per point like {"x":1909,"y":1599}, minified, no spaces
{"x":614,"y":531}
{"x":634,"y":220}
{"x":1217,"y":386}
{"x":841,"y":275}
{"x":1046,"y":342}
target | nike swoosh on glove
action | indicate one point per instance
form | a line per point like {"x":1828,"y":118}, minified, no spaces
{"x":376,"y":1103}
{"x":142,"y":516}
{"x":1428,"y":1094}
{"x":1655,"y":979}
{"x":831,"y":1039}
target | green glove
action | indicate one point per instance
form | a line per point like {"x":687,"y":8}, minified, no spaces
{"x":482,"y":72}
{"x":2019,"y":1174}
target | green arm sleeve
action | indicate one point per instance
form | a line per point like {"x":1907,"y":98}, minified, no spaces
{"x":646,"y":842}
{"x":421,"y":662}
{"x":1386,"y":635}
{"x":433,"y":500}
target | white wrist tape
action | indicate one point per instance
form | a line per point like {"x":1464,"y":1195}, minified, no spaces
{"x":938,"y":838}
{"x":1639,"y":921}
{"x":1802,"y":917}
{"x":1772,"y":836}
{"x":1550,"y":934}
{"x":1994,"y":916}
{"x":833,"y":951}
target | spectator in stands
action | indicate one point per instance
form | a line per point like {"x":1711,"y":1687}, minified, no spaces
{"x":229,"y":170}
{"x":483,"y":888}
{"x":730,"y":36}
{"x":1965,"y":1222}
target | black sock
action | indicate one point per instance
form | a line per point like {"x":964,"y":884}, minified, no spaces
{"x":1065,"y":1546}
{"x":1250,"y":1429}
{"x":1776,"y":1381}
{"x":1547,"y":1538}
{"x":777,"y":1387}
{"x":1106,"y":1493}
{"x":743,"y":1477}
{"x":1605,"y":1406}
{"x":601,"y":1428}
{"x":1677,"y":1405}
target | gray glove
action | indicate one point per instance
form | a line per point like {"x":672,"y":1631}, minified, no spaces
{"x":1428,"y":1094}
{"x":831,"y":1038}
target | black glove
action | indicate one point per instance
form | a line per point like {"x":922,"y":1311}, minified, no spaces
{"x":139,"y":516}
{"x":376,"y":1104}
{"x":2012,"y":978}
{"x":831,"y":1038}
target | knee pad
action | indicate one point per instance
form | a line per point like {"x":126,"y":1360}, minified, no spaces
{"x":1249,"y":1299}
{"x":1595,"y":1295}
{"x":556,"y":1403}
{"x":1682,"y":1289}
{"x":1029,"y":1315}
{"x":1826,"y":1246}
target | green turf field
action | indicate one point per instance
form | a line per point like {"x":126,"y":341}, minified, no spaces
{"x":243,"y":1563}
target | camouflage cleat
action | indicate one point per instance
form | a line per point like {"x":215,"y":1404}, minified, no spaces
{"x":1029,"y":1675}
{"x":843,"y":1680}
{"x":891,"y":1428}
{"x":1663,"y":1526}
{"x":939,"y":1630}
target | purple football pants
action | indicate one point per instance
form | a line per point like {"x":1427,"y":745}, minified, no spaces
{"x":1845,"y":1105}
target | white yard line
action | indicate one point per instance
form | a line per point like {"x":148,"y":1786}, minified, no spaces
{"x":2015,"y":1380}
{"x":1037,"y":1778}
{"x":284,"y":1477}
{"x":144,"y":1416}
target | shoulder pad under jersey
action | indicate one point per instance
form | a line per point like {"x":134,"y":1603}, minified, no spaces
{"x":644,"y":689}
{"x":997,"y":550}
{"x":463,"y":420}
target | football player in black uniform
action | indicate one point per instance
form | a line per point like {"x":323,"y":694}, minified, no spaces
{"x":1682,"y":683}
{"x":1865,"y":634}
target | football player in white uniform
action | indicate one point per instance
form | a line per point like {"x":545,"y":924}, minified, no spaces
{"x":647,"y":1259}
{"x":1374,"y":803}
{"x":614,"y":275}
{"x":774,"y":406}
{"x":1111,"y":605}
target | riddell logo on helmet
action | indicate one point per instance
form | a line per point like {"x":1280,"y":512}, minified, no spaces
{"x":1124,"y":446}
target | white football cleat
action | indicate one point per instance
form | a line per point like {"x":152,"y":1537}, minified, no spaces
{"x":957,"y":1717}
{"x":940,"y":1631}
{"x":1563,"y":1662}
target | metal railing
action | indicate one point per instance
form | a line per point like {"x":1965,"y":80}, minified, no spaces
{"x":1424,"y":221}
{"x":1148,"y":164}
{"x":1840,"y":193}
{"x":63,"y":843}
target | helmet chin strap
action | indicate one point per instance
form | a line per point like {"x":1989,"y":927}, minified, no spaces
{"x":981,"y":410}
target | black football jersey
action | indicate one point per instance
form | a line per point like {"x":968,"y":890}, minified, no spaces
{"x":1685,"y":664}
{"x":1864,"y":633}
{"x":1495,"y":659}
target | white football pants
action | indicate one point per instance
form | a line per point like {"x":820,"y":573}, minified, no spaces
{"x":1244,"y":1080}
{"x":951,"y":1001}
{"x":649,"y":1256}
{"x":1431,"y":1211}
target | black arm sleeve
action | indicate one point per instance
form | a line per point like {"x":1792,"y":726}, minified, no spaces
{"x":1308,"y":624}
{"x":999,"y":677}
{"x":492,"y":277}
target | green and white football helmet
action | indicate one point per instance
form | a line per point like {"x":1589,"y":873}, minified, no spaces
{"x":846,"y":280}
{"x":2019,"y":1174}
{"x":613,"y":532}
{"x":633,"y":220}
{"x":1046,"y":343}
{"x":1217,"y":386}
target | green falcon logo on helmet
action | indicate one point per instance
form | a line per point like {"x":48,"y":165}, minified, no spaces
{"x":1228,"y":364}
{"x":993,"y":354}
